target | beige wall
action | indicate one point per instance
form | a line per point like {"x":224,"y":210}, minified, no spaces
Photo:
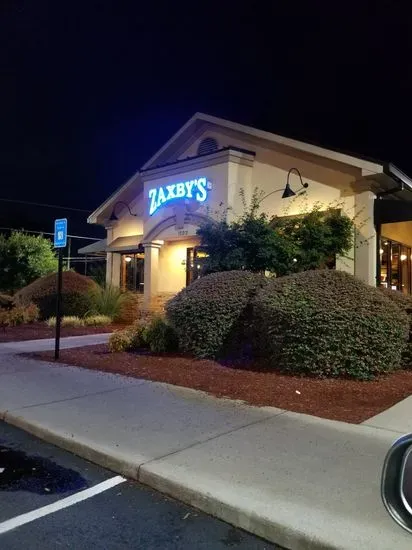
{"x":172,"y":272}
{"x":400,"y":231}
{"x":331,"y":184}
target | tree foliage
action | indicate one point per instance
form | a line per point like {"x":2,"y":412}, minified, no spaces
{"x":24,"y":258}
{"x":280,"y":245}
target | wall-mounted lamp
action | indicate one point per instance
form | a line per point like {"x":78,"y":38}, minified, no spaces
{"x":128,"y":259}
{"x":113,"y":217}
{"x":287,"y":190}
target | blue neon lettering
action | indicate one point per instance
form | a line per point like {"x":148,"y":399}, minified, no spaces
{"x":202,"y":193}
{"x":193,"y":189}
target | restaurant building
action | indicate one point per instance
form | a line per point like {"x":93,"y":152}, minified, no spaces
{"x":151,"y":221}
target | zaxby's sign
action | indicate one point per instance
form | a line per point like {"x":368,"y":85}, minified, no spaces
{"x":196,"y":189}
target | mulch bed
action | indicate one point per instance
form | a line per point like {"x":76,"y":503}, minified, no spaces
{"x":345,"y":400}
{"x":38,"y":331}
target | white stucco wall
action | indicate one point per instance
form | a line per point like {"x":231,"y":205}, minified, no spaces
{"x":330,"y":185}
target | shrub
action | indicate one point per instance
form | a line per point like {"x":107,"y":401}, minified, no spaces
{"x":121,"y":340}
{"x":76,"y":298}
{"x":160,"y":336}
{"x":106,"y":301}
{"x":21,"y":315}
{"x":66,"y":321}
{"x":404,"y":302}
{"x":4,"y":318}
{"x":97,"y":320}
{"x":31,"y":313}
{"x":328,"y":323}
{"x":72,"y":321}
{"x":207,"y":314}
{"x":6,"y":301}
{"x":129,"y":339}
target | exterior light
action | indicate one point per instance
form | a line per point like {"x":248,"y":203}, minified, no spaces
{"x":128,"y":259}
{"x":113,"y":217}
{"x":403,"y":257}
{"x":381,"y":251}
{"x":295,"y":260}
{"x":287,"y":190}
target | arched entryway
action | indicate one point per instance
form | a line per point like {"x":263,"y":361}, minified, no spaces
{"x":172,"y":256}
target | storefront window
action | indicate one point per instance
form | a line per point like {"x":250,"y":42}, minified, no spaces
{"x":132,"y":272}
{"x":395,"y":260}
{"x":195,"y":259}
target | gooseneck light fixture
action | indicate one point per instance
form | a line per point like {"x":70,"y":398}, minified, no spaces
{"x":113,"y":217}
{"x":287,"y":190}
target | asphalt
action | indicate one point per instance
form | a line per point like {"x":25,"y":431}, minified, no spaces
{"x":127,"y":516}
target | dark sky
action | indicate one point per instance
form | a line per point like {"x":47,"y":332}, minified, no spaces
{"x":89,"y":90}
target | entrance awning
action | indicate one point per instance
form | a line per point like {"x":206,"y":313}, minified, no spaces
{"x":95,"y":249}
{"x":126,"y":244}
{"x":391,"y":211}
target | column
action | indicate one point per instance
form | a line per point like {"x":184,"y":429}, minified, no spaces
{"x":113,"y":262}
{"x":365,"y":238}
{"x":151,"y":272}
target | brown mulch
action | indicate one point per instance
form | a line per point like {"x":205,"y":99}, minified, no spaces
{"x":37,"y":331}
{"x":337,"y":399}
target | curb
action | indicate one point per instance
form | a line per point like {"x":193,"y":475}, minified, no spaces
{"x":277,"y":533}
{"x":102,"y":458}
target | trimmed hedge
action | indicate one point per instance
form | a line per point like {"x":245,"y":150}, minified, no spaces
{"x":328,"y":323}
{"x":404,"y":302}
{"x":76,"y":294}
{"x":208,"y":314}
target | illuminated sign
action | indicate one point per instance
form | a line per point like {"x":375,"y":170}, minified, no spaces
{"x":196,"y":189}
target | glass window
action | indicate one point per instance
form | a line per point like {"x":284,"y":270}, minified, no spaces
{"x":132,"y":272}
{"x":395,"y":266}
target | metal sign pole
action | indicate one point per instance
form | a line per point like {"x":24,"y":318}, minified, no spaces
{"x":58,"y":303}
{"x":60,"y":242}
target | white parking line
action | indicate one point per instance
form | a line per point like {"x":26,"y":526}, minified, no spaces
{"x":60,"y":504}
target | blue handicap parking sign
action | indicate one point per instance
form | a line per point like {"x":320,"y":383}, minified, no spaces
{"x":60,"y":233}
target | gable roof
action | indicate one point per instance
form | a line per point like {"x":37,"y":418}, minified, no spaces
{"x":193,"y":123}
{"x":197,"y":122}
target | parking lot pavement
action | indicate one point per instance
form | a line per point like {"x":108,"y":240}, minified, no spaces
{"x":52,"y":499}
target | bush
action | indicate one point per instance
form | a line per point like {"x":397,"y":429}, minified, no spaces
{"x":160,"y":336}
{"x":6,"y":301}
{"x":121,"y":340}
{"x":76,"y":294}
{"x":106,"y":301}
{"x":97,"y":320}
{"x":72,"y":321}
{"x":129,"y":339}
{"x":66,"y":321}
{"x":19,"y":315}
{"x":328,"y":323}
{"x":404,"y":302}
{"x":209,"y":313}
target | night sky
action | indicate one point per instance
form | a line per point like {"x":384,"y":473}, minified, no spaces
{"x":90,"y":90}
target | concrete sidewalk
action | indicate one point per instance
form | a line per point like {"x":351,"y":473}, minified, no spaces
{"x":297,"y":480}
{"x":45,"y":344}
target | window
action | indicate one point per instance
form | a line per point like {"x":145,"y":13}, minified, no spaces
{"x":132,"y":272}
{"x":395,"y":266}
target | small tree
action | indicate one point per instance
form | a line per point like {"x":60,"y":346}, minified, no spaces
{"x":281,"y":245}
{"x":24,"y":258}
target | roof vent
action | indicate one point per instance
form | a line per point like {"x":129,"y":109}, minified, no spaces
{"x":207,"y":145}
